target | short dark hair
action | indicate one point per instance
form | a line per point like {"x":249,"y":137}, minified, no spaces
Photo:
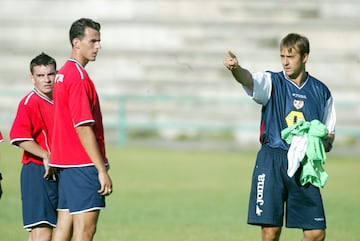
{"x":78,"y":28}
{"x":296,"y":41}
{"x":42,"y":59}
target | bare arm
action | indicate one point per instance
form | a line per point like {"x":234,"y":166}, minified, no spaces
{"x":35,"y":149}
{"x":243,"y":76}
{"x":328,"y":141}
{"x":88,"y":140}
{"x":1,"y":191}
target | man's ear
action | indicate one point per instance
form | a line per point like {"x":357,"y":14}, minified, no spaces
{"x":305,"y":58}
{"x":31,"y":77}
{"x":76,"y":42}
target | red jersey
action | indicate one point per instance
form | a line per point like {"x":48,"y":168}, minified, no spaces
{"x":1,"y":137}
{"x":33,"y":121}
{"x":76,"y":103}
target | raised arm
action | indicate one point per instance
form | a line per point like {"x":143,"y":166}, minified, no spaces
{"x":243,"y":76}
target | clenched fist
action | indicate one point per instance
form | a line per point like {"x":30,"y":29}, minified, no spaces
{"x":231,"y":61}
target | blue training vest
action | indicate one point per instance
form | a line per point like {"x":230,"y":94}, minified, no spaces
{"x":290,"y":104}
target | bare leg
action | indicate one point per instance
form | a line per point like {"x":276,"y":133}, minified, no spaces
{"x":85,"y":225}
{"x":314,"y":235}
{"x":41,"y":233}
{"x":270,"y":233}
{"x":64,"y":226}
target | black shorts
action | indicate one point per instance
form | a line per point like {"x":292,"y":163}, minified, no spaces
{"x":272,"y":191}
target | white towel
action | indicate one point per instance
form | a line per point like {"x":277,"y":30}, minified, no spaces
{"x":296,"y":153}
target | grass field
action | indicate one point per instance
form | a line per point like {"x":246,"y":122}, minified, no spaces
{"x":169,"y":195}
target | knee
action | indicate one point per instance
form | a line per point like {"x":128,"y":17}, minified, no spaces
{"x":271,"y":233}
{"x":84,"y":232}
{"x":89,"y":229}
{"x":40,"y":233}
{"x":314,"y":235}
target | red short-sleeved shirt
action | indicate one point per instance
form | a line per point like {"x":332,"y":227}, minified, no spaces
{"x":33,"y":121}
{"x":76,"y":103}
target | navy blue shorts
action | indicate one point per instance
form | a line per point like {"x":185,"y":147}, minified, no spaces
{"x":39,"y":197}
{"x":272,"y":190}
{"x":78,"y":190}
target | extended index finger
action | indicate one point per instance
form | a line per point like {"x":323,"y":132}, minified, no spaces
{"x":231,"y":54}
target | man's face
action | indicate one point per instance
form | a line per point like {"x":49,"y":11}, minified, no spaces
{"x":43,"y":77}
{"x":89,"y":45}
{"x":293,"y":63}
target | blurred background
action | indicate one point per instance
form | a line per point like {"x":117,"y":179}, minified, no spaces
{"x":160,"y":73}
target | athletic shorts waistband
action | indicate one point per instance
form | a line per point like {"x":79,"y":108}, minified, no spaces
{"x":272,"y":149}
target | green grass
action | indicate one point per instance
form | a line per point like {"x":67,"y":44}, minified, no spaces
{"x":168,"y":195}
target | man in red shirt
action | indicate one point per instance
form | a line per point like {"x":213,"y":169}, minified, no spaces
{"x":31,"y":131}
{"x":78,"y":139}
